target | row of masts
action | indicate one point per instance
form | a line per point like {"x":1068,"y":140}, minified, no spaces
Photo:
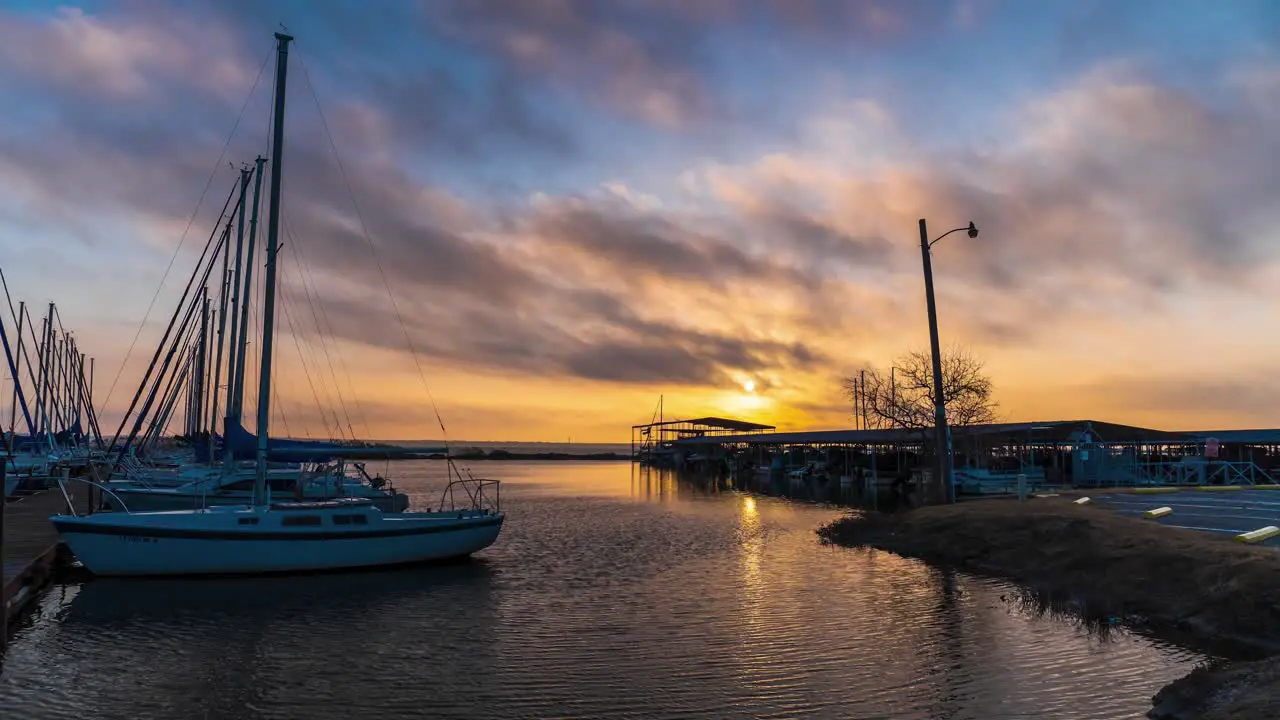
{"x":52,"y":392}
{"x":205,"y":341}
{"x":51,"y":406}
{"x":198,"y":354}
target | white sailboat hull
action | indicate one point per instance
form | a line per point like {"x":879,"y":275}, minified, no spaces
{"x":217,"y":541}
{"x":160,"y":499}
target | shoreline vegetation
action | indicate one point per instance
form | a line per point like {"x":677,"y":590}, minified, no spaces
{"x":472,"y":454}
{"x":477,"y":454}
{"x":1198,"y":589}
{"x":382,"y":450}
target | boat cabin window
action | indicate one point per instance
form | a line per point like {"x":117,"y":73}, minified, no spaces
{"x":248,"y":521}
{"x":296,"y":520}
{"x":275,"y":484}
{"x":350,"y":520}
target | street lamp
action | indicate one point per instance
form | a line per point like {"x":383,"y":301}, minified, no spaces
{"x":893,"y":392}
{"x":942,"y":438}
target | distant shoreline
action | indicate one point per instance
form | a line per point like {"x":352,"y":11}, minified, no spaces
{"x":473,"y":455}
{"x":507,"y":455}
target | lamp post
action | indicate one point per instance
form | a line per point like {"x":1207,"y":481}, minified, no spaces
{"x":893,"y":394}
{"x":942,"y":437}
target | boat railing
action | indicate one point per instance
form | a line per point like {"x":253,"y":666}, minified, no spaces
{"x":479,"y":494}
{"x":71,"y":506}
{"x":377,"y":482}
{"x":326,"y":477}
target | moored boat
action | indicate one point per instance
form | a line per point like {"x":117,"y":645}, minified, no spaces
{"x":238,"y":490}
{"x":278,"y":538}
{"x":266,"y":537}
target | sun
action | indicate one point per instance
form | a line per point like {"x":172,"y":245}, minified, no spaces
{"x":749,"y":386}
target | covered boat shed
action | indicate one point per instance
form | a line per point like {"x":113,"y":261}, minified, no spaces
{"x":1055,"y":452}
{"x":658,"y":438}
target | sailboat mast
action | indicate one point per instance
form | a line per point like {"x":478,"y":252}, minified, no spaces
{"x":55,"y":385}
{"x":229,"y":295}
{"x":89,"y":400}
{"x":202,"y":363}
{"x":68,"y":386}
{"x":188,"y":403}
{"x":79,"y":385}
{"x":235,"y":402}
{"x":17,"y":381}
{"x":273,"y":245}
{"x":64,"y":381}
{"x":52,"y":378}
{"x":661,"y":424}
{"x":43,"y":390}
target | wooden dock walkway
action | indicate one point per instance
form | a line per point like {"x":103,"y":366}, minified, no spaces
{"x":30,"y":545}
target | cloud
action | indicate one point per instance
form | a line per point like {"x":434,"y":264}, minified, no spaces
{"x":655,"y":61}
{"x":644,"y":63}
{"x":114,"y":58}
{"x":1113,"y":190}
{"x":1188,"y":402}
{"x":439,"y":112}
{"x":515,"y":250}
{"x":469,"y":300}
{"x":601,"y":340}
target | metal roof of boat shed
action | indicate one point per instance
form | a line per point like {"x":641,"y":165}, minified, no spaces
{"x":1239,"y":437}
{"x":717,"y":423}
{"x":1043,"y":431}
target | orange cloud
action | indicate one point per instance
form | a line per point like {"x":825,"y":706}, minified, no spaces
{"x":1124,"y":226}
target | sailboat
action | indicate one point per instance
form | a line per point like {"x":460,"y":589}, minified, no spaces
{"x":55,"y":436}
{"x":281,"y":537}
{"x":213,"y":486}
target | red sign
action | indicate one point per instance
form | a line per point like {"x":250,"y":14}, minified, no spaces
{"x":1211,"y":447}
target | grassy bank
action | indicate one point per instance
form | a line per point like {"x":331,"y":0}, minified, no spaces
{"x":404,"y":454}
{"x":549,"y":456}
{"x":1193,"y":587}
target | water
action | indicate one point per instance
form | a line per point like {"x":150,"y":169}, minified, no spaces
{"x":568,"y":448}
{"x":609,"y":595}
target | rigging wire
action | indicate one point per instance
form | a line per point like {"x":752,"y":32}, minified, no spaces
{"x":29,"y":328}
{"x":309,"y":284}
{"x":320,"y":333}
{"x":306,"y":372}
{"x":364,"y":231}
{"x":182,"y":240}
{"x":323,"y":405}
{"x":146,"y":378}
{"x":279,"y":408}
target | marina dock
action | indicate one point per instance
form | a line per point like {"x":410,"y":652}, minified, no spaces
{"x":30,"y":547}
{"x":992,"y":459}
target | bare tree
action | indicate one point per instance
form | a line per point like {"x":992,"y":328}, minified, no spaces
{"x":902,"y":396}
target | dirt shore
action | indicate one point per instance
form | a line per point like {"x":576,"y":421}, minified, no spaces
{"x":1196,"y":588}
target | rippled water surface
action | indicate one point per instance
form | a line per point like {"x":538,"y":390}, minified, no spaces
{"x":612,"y":593}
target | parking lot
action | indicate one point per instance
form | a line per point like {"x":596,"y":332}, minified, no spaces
{"x":1229,"y":512}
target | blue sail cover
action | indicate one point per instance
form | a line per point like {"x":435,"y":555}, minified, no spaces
{"x":244,"y":446}
{"x":28,"y":443}
{"x":71,"y":435}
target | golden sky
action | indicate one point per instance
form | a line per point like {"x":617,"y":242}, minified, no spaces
{"x":577,"y":212}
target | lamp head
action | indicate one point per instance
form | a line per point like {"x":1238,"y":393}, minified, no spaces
{"x":973,"y":230}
